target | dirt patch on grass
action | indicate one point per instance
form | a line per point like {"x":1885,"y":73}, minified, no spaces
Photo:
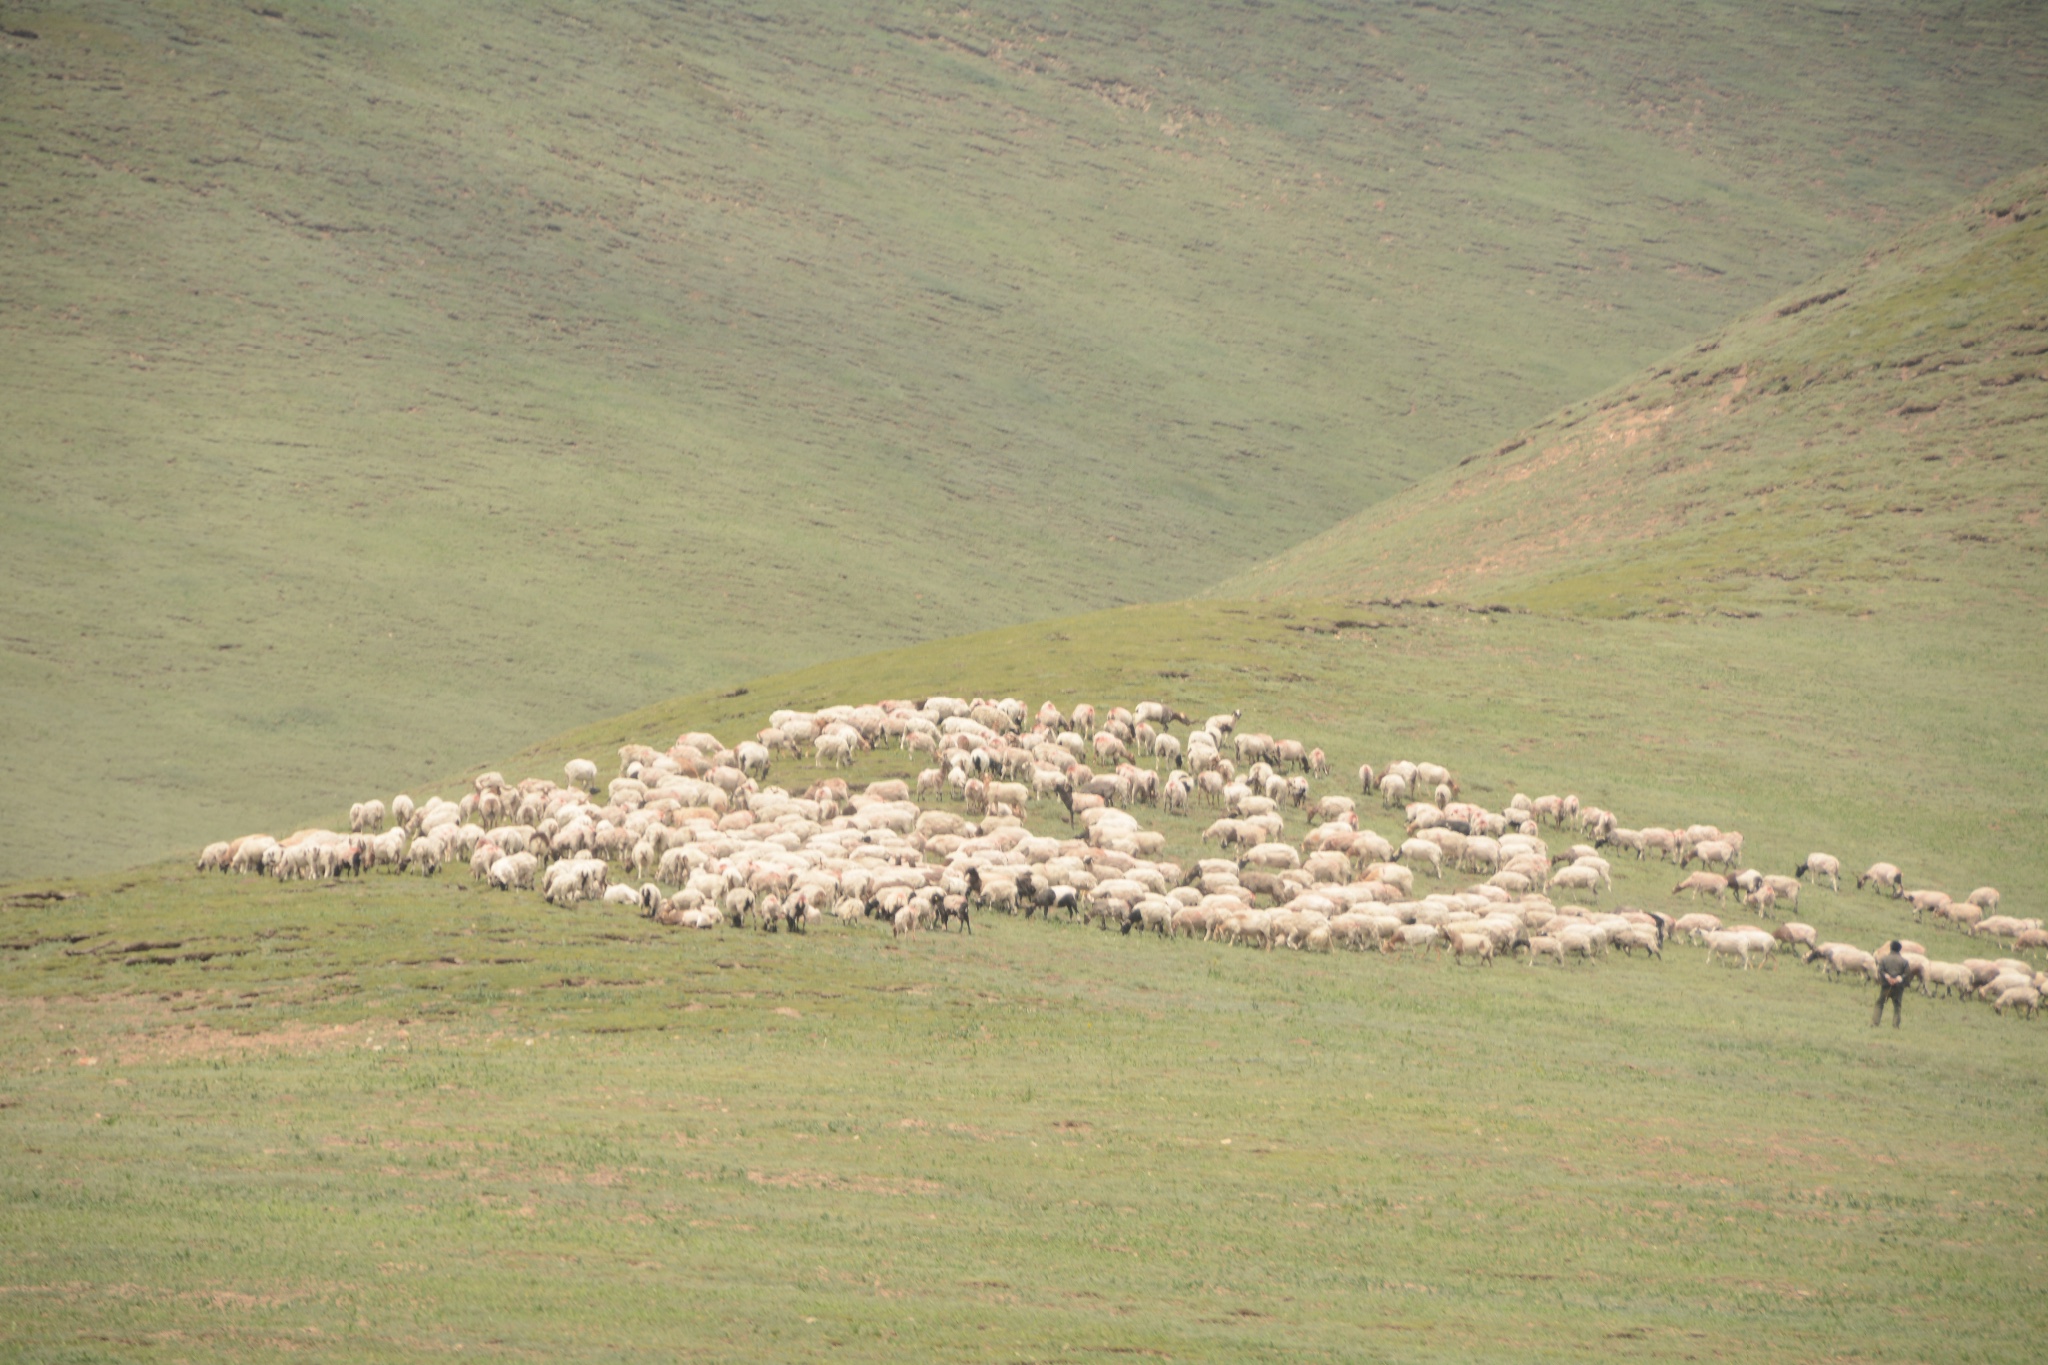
{"x":854,"y":1184}
{"x":202,"y":1042}
{"x":129,"y":1030}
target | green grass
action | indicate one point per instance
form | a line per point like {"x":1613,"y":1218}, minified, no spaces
{"x":333,"y":469}
{"x":387,"y":388}
{"x":1871,"y":442}
{"x":1848,"y":735}
{"x":400,"y":1120}
{"x":312,"y":1119}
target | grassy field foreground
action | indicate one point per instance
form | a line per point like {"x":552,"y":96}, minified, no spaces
{"x":400,"y":1120}
{"x":394,"y":1119}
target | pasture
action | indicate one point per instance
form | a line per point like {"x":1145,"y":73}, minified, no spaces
{"x":403,"y":1118}
{"x":389,"y":388}
{"x":402,"y":1121}
{"x":387,"y":392}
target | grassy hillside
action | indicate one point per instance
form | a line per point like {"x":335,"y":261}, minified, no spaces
{"x":1874,"y":441}
{"x":1853,"y":735}
{"x":387,"y":386}
{"x":401,"y":1119}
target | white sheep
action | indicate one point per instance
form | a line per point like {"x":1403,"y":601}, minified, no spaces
{"x":2023,"y":999}
{"x":425,"y":856}
{"x":1822,"y":865}
{"x":1577,"y":878}
{"x":1837,"y":959}
{"x":1925,"y":901}
{"x":1464,"y":945}
{"x":514,"y":871}
{"x":1424,"y":851}
{"x":1952,"y":977}
{"x":1711,"y":883}
{"x":1729,"y":943}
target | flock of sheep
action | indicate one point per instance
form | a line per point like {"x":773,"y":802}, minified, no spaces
{"x":696,"y":818}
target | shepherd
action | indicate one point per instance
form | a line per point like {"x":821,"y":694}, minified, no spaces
{"x":1892,"y":971}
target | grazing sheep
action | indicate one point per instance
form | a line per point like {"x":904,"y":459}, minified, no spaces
{"x":2021,"y":998}
{"x":1579,"y":940}
{"x":1416,"y":936}
{"x":1926,"y":901}
{"x":1711,"y":853}
{"x":1985,"y":898}
{"x":1821,"y":865}
{"x":1464,"y":945}
{"x":514,"y":871}
{"x":575,"y":879}
{"x":1271,"y":856}
{"x":1727,"y":943}
{"x":1785,"y":889}
{"x":1641,"y":936}
{"x":1953,"y":978}
{"x":1577,"y":878}
{"x":1424,"y":851}
{"x":1886,"y":876}
{"x":1838,"y":959}
{"x":2003,"y":982}
{"x":702,"y":817}
{"x":1712,"y":883}
{"x":1695,"y":924}
{"x":1394,"y":875}
{"x":1328,"y":866}
{"x":1965,"y":917}
{"x":388,"y":849}
{"x":1793,"y":932}
{"x":1661,"y":842}
{"x":424,"y":856}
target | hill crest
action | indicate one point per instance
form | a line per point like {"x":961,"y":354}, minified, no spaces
{"x":1871,"y":440}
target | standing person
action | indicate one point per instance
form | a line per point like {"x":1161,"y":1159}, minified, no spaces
{"x":1892,"y":971}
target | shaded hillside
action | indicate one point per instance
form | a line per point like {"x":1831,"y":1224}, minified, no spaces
{"x":386,"y":385}
{"x":1875,"y":441}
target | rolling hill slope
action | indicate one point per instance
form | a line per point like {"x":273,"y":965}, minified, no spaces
{"x":1876,"y":441}
{"x":386,"y":387}
{"x":1798,"y":591}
